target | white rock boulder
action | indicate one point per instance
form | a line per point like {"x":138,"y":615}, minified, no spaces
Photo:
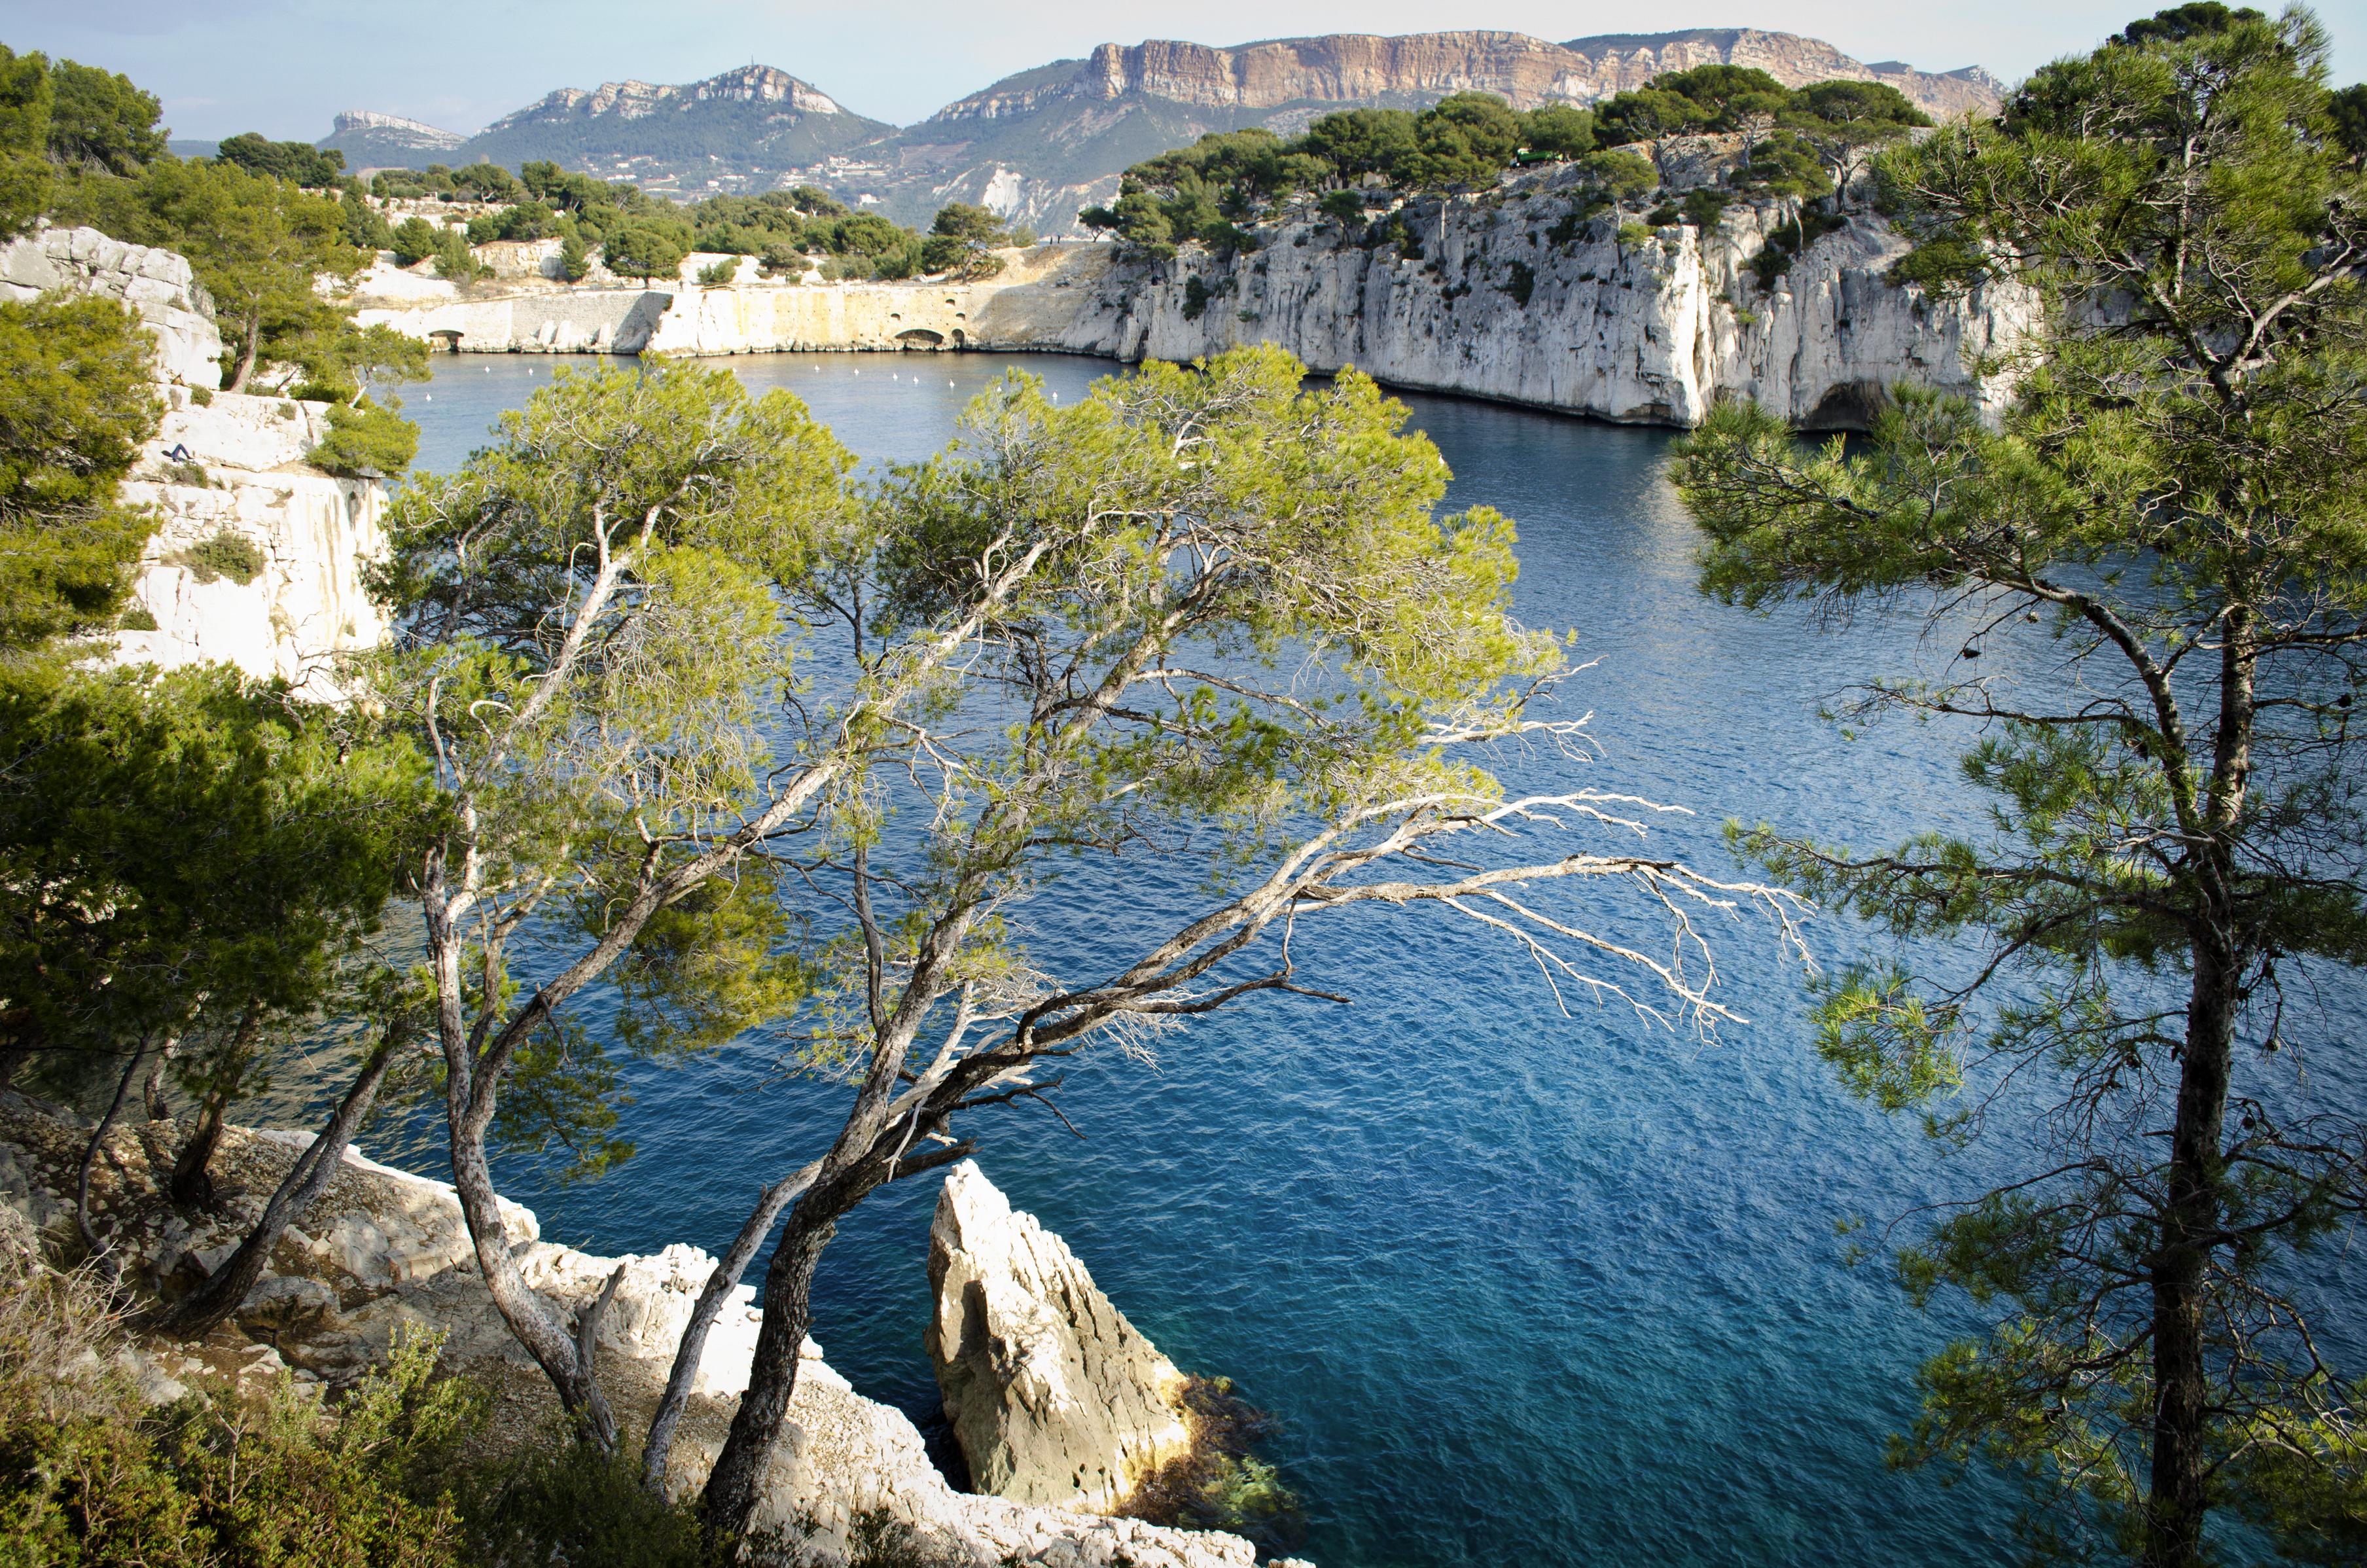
{"x":1054,"y":1396}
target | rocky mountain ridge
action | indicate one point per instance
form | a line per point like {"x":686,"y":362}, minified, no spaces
{"x":1038,"y":145}
{"x":368,"y":138}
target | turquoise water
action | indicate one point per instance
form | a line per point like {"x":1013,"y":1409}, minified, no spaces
{"x":1519,"y":1287}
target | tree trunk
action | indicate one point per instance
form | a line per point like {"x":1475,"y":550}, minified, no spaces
{"x":735,"y":1485}
{"x":192,"y":1186}
{"x":693,"y":1347}
{"x":226,"y":1288}
{"x":246,"y":354}
{"x":2179,"y":1492}
{"x":152,"y":1088}
{"x":529,"y":1316}
{"x":90,"y":1157}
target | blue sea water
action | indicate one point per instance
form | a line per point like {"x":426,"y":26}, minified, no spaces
{"x":1519,"y":1288}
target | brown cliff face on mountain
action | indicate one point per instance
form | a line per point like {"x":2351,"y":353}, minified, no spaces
{"x":1364,"y":68}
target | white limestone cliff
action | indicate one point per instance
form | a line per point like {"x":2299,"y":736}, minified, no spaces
{"x":236,"y":466}
{"x":1648,"y":332}
{"x":1054,"y":1396}
{"x":222,"y":463}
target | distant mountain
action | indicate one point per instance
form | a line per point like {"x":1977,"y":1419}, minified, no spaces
{"x":1621,"y":60}
{"x":388,"y":140}
{"x":1046,"y":141}
{"x":1041,"y":144}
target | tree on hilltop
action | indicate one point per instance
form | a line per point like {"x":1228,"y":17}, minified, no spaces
{"x":962,"y":241}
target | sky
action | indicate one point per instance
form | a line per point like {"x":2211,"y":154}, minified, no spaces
{"x":285,"y":67}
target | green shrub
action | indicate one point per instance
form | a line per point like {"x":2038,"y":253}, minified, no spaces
{"x":1521,"y":284}
{"x":138,"y":618}
{"x":202,"y":396}
{"x":223,"y":554}
{"x":1342,"y":206}
{"x":1195,"y":297}
{"x":716,"y":273}
{"x":393,"y":1475}
{"x":645,"y":249}
{"x":366,"y":441}
{"x":1626,"y":175}
{"x":455,"y":261}
{"x":574,"y":259}
{"x":1782,"y":246}
{"x":566,"y":1502}
{"x":1705,"y":208}
{"x":89,"y":1477}
{"x":414,"y":240}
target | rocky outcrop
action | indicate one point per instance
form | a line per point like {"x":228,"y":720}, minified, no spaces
{"x":157,"y":283}
{"x":233,"y":468}
{"x":371,"y":141}
{"x":384,"y":1252}
{"x":223,"y":467}
{"x":1053,"y":1395}
{"x":1512,"y":298}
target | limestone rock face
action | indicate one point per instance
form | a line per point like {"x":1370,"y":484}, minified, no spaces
{"x":1054,"y":1396}
{"x":236,"y":466}
{"x":230,"y":465}
{"x":1506,"y":301}
{"x":158,"y":284}
{"x":1512,"y":297}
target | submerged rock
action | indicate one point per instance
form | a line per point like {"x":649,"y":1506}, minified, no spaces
{"x":1055,"y":1398}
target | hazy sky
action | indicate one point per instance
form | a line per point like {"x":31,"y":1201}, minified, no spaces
{"x":284,"y":66}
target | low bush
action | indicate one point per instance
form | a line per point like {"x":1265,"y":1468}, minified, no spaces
{"x":392,"y":1475}
{"x":366,"y":441}
{"x":219,"y":555}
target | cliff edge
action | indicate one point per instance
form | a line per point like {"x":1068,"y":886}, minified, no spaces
{"x":257,"y":557}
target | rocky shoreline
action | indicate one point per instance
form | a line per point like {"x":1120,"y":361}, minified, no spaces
{"x":1510,"y":299}
{"x":385,"y":1252}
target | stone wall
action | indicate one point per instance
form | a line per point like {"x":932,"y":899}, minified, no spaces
{"x":1036,"y":302}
